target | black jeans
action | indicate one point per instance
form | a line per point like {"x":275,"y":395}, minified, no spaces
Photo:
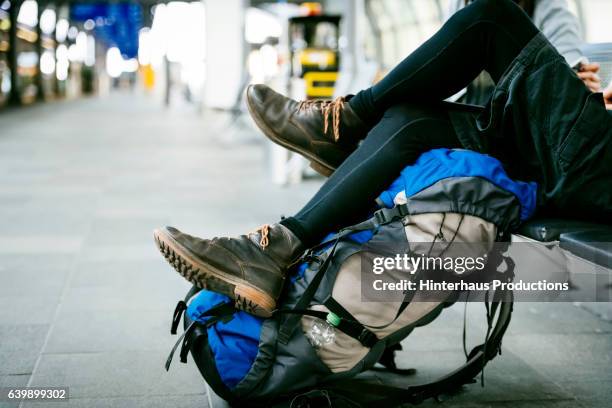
{"x":408,"y":114}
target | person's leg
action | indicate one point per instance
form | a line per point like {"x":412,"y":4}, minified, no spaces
{"x":251,"y":269}
{"x":404,"y":132}
{"x":486,"y":35}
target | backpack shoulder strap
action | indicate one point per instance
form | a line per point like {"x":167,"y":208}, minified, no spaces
{"x":380,"y":217}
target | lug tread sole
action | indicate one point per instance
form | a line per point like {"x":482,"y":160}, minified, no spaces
{"x":246,"y":297}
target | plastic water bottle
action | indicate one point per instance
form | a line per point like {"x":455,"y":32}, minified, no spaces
{"x":322,"y":332}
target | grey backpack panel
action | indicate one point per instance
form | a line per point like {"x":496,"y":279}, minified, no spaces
{"x":468,"y":195}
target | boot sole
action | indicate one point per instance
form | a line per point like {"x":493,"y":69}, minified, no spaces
{"x":246,"y":296}
{"x":315,"y":163}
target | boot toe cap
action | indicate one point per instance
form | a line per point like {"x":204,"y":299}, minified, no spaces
{"x":260,"y":93}
{"x":168,"y":231}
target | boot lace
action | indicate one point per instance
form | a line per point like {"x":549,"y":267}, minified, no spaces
{"x":264,"y":231}
{"x":330,"y":109}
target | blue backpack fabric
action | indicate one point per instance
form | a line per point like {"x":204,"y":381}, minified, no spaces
{"x":235,"y":344}
{"x":439,"y":164}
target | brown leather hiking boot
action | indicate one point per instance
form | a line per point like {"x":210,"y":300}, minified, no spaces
{"x":325,"y":132}
{"x":250,"y":269}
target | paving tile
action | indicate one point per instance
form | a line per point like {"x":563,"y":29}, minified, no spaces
{"x":18,"y":362}
{"x":555,"y":318}
{"x":118,"y":374}
{"x":39,"y":244}
{"x":88,"y":331}
{"x":45,"y":221}
{"x":452,"y":402}
{"x":111,"y":252}
{"x":151,"y":401}
{"x":507,"y":378}
{"x":27,"y":309}
{"x":29,"y":275}
{"x":119,"y":231}
{"x":102,"y":272}
{"x":566,"y":357}
{"x":602,"y":310}
{"x":14,"y":380}
{"x":20,"y":346}
{"x":94,"y":300}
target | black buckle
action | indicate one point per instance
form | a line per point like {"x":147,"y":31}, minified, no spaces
{"x":380,"y":216}
{"x":367,"y":338}
{"x":386,"y":215}
{"x":402,"y":210}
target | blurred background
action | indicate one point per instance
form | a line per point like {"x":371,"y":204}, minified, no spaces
{"x":201,"y":55}
{"x":117,"y":117}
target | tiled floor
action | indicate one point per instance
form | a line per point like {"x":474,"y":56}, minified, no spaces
{"x":85,"y":299}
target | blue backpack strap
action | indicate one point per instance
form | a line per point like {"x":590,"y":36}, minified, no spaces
{"x":222,"y":312}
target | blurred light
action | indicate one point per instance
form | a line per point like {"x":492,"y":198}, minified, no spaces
{"x":90,"y":57}
{"x":27,"y":59}
{"x":61,"y":30}
{"x":5,"y":5}
{"x":311,"y":9}
{"x":158,"y":41}
{"x":114,"y":62}
{"x":193,"y":74}
{"x":5,"y":84}
{"x":28,"y":13}
{"x":61,"y":54}
{"x":145,"y":46}
{"x":73,"y":53}
{"x":72,"y":32}
{"x":263,"y":63}
{"x":28,"y":35}
{"x":178,"y":32}
{"x":81,"y":47}
{"x":184,"y":22}
{"x":259,"y":25}
{"x":47,"y":21}
{"x":47,"y":62}
{"x":129,"y":65}
{"x":269,"y":56}
{"x":89,"y":25}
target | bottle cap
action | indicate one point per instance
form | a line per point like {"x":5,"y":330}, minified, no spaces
{"x":333,"y":319}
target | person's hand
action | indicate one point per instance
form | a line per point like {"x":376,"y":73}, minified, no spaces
{"x":607,"y":94}
{"x":588,"y":74}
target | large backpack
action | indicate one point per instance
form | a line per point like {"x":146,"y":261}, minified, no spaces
{"x":448,"y":197}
